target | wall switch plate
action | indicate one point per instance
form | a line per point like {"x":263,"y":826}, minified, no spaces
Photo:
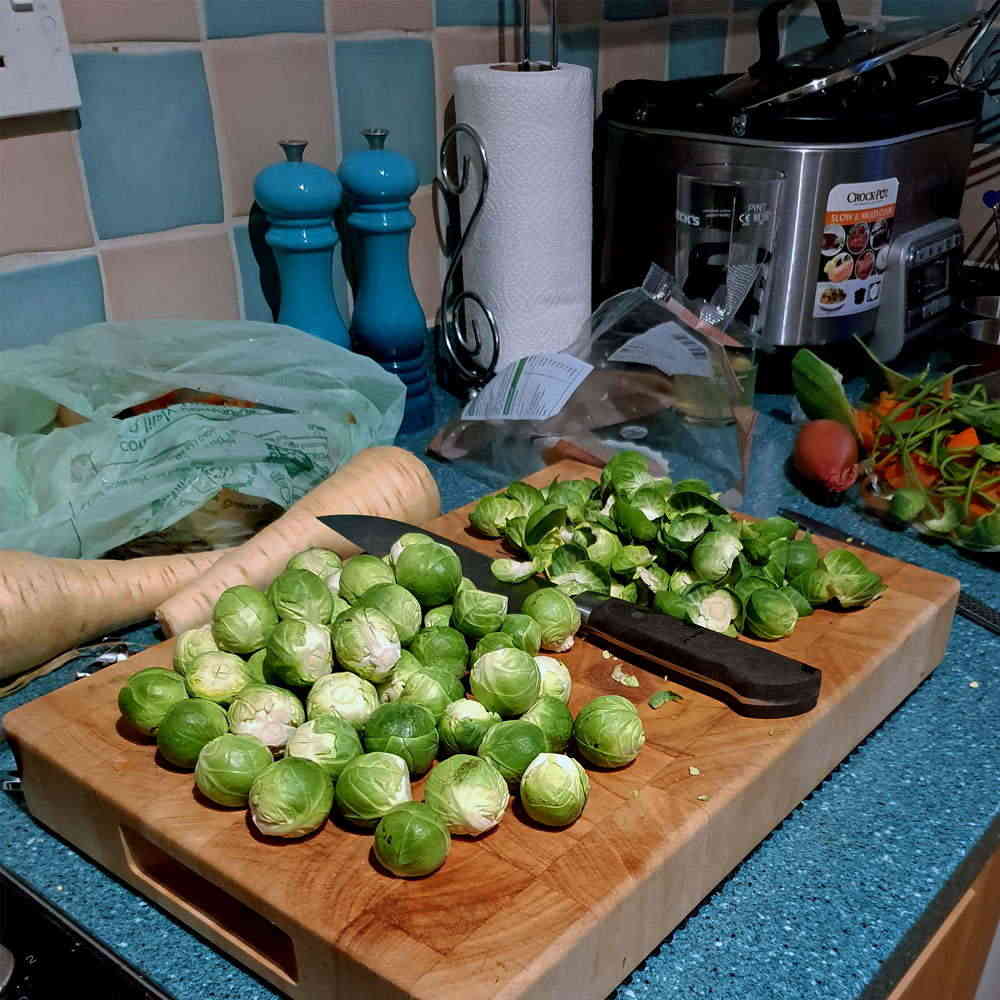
{"x":36,"y":68}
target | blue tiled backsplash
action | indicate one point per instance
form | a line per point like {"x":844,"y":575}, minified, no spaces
{"x":138,"y":207}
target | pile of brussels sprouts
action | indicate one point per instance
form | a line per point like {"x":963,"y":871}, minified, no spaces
{"x":671,"y":546}
{"x":347,"y":680}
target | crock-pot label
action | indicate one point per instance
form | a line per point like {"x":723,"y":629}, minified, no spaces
{"x":854,"y":248}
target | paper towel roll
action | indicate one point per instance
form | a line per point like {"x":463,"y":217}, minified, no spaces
{"x":529,"y":257}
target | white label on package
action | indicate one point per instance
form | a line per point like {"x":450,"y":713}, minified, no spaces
{"x":535,"y":388}
{"x":668,"y":347}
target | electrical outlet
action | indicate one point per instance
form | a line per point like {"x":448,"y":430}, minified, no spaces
{"x":36,"y":68}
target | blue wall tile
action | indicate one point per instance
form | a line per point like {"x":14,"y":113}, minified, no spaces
{"x":697,"y":47}
{"x":389,"y":83}
{"x":632,"y":10}
{"x":802,"y":31}
{"x":478,"y":12}
{"x":148,"y":141}
{"x":39,"y":302}
{"x":254,"y":304}
{"x":579,"y":46}
{"x":231,"y":18}
{"x":934,"y":10}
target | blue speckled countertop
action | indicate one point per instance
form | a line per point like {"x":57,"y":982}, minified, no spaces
{"x":833,"y":905}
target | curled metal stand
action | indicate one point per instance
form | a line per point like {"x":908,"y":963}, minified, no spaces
{"x":472,"y":355}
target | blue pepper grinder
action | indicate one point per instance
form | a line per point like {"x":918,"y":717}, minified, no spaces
{"x":388,"y":323}
{"x":299,"y":200}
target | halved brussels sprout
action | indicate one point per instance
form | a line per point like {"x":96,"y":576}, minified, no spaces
{"x":770,"y":614}
{"x":506,"y":681}
{"x":463,"y":725}
{"x":556,"y":681}
{"x":268,"y":713}
{"x":227,"y":767}
{"x":371,"y":786}
{"x":851,"y":582}
{"x":360,"y":574}
{"x":242,"y":620}
{"x":478,"y":612}
{"x":291,"y":798}
{"x":490,"y":642}
{"x":323,"y":562}
{"x":490,"y":516}
{"x":608,"y":731}
{"x":511,"y":746}
{"x":191,"y":643}
{"x":554,"y":789}
{"x":655,"y":578}
{"x":431,"y":573}
{"x":344,"y":694}
{"x":555,"y":721}
{"x":301,"y":595}
{"x":405,"y":729}
{"x":188,"y":727}
{"x":685,"y":531}
{"x":433,"y":687}
{"x":468,"y":793}
{"x":366,"y":643}
{"x":148,"y":695}
{"x":398,"y":605}
{"x":217,"y":677}
{"x":556,"y":614}
{"x":298,"y":652}
{"x":392,"y":688}
{"x":439,"y":617}
{"x":525,"y":631}
{"x":327,"y":740}
{"x":720,"y":611}
{"x":404,"y":541}
{"x":714,"y":555}
{"x":443,"y":647}
{"x":681,"y":579}
{"x":411,"y":840}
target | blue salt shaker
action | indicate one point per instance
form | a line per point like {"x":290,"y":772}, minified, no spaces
{"x":299,"y":200}
{"x":388,"y":322}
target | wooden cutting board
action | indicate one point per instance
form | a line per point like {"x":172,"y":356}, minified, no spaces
{"x":523,"y":911}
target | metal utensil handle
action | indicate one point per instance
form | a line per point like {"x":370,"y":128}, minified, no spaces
{"x":965,"y":75}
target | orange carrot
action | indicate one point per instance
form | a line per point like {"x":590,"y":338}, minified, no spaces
{"x":963,"y":441}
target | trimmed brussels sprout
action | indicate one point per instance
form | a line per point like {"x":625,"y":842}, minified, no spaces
{"x":631,"y":558}
{"x":405,"y":729}
{"x":759,"y":536}
{"x":217,"y":677}
{"x":713,"y":557}
{"x":556,"y":681}
{"x":770,"y":614}
{"x":554,"y":789}
{"x":148,"y":695}
{"x":569,"y":492}
{"x":513,"y":570}
{"x":602,"y":545}
{"x":681,"y":580}
{"x":490,"y":516}
{"x":227,"y":767}
{"x":404,"y":541}
{"x":439,"y":617}
{"x":528,"y":498}
{"x":255,"y":666}
{"x":720,"y":611}
{"x":625,"y":473}
{"x":814,"y":585}
{"x":608,"y":731}
{"x":190,"y":644}
{"x":557,"y":615}
{"x":803,"y":556}
{"x":490,"y":642}
{"x":693,"y":501}
{"x":431,"y":573}
{"x":654,"y":578}
{"x":291,"y":798}
{"x":432,"y":687}
{"x":360,"y":574}
{"x":344,"y":694}
{"x":746,"y":585}
{"x":468,"y":793}
{"x":525,"y":631}
{"x":555,"y":721}
{"x":506,"y":681}
{"x":411,"y":840}
{"x":398,"y":605}
{"x":242,"y":620}
{"x":301,"y":595}
{"x":442,"y":647}
{"x":685,"y":531}
{"x":633,"y":522}
{"x":268,"y":713}
{"x":371,"y":786}
{"x":298,"y":652}
{"x":511,"y":746}
{"x":650,"y":501}
{"x":802,"y":607}
{"x":669,"y":602}
{"x":573,"y":573}
{"x":406,"y":666}
{"x":478,"y":612}
{"x":851,"y":582}
{"x":327,"y":740}
{"x":463,"y":725}
{"x":366,"y":643}
{"x":188,"y":727}
{"x":726,"y":523}
{"x":322,"y":562}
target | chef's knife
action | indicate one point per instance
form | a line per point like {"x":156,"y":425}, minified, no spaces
{"x":968,"y":606}
{"x":753,"y":680}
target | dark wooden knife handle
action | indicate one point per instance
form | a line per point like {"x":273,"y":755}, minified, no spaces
{"x":754,"y":680}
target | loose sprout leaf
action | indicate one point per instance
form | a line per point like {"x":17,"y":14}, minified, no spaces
{"x":511,"y":571}
{"x":619,"y":675}
{"x":662,"y":697}
{"x":528,"y":498}
{"x":564,"y":559}
{"x":690,"y":502}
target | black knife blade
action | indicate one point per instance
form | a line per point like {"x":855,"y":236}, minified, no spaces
{"x":753,"y":680}
{"x":968,"y":606}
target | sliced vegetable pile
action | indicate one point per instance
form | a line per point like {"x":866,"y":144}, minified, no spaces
{"x":346,"y":680}
{"x":671,"y":546}
{"x":931,"y":451}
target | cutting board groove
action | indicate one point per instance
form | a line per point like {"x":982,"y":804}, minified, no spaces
{"x":521,"y":912}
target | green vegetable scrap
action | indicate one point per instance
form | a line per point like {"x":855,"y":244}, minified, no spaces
{"x":662,"y":697}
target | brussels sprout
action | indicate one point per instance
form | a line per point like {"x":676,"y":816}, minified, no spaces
{"x":366,"y":643}
{"x":631,"y":558}
{"x":525,"y":631}
{"x":344,"y":694}
{"x":625,"y":473}
{"x":513,"y":570}
{"x":555,"y":721}
{"x":242,"y":620}
{"x":327,"y":740}
{"x":268,"y":713}
{"x":984,"y":537}
{"x":217,"y":677}
{"x":398,"y":605}
{"x":411,"y":840}
{"x":758,"y":536}
{"x":392,"y":688}
{"x":190,"y":644}
{"x":802,"y":607}
{"x":463,"y":725}
{"x":441,"y":647}
{"x":528,"y":498}
{"x":720,"y":611}
{"x":371,"y":786}
{"x":432,"y":687}
{"x":546,"y":521}
{"x":693,"y":486}
{"x":569,"y":492}
{"x":298,"y":653}
{"x":802,"y":557}
{"x":186,"y":728}
{"x":713,"y":557}
{"x":608,"y":731}
{"x":680,"y":580}
{"x":650,"y":501}
{"x":360,"y":573}
{"x":669,"y":602}
{"x":557,"y":615}
{"x":685,"y":531}
{"x":478,"y":612}
{"x":655,"y":578}
{"x":814,"y":585}
{"x":255,"y":666}
{"x":227,"y":766}
{"x":439,"y":617}
{"x":573,"y":573}
{"x":148,"y":695}
{"x":603,"y":546}
{"x":625,"y":591}
{"x":291,"y":798}
{"x":300,"y":595}
{"x":511,"y":746}
{"x":405,"y":729}
{"x":516,"y":528}
{"x":468,"y":793}
{"x":727,"y":524}
{"x":506,"y":681}
{"x":633,"y":522}
{"x":431,"y":573}
{"x":556,"y":681}
{"x":323,"y":562}
{"x":490,"y":516}
{"x":554,"y":789}
{"x":405,"y":540}
{"x":690,"y":501}
{"x":851,"y":582}
{"x":492,"y":641}
{"x":746,"y":585}
{"x":770,"y":614}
